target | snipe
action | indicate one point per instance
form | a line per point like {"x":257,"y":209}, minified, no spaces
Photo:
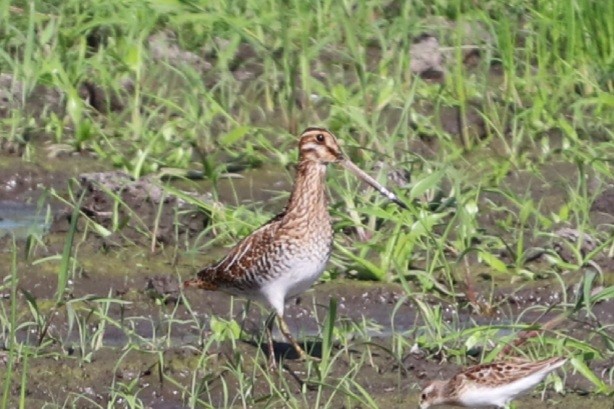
{"x":487,"y":385}
{"x":285,"y":256}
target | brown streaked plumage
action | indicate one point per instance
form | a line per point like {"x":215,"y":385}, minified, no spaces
{"x":285,"y":256}
{"x":495,"y":384}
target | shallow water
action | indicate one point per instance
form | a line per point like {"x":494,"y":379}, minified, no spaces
{"x":21,"y":219}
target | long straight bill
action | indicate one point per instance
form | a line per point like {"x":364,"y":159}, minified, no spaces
{"x":349,"y":165}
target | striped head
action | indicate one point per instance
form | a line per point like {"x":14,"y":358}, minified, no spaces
{"x":319,"y":145}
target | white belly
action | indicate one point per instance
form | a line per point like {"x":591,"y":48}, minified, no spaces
{"x":299,"y":276}
{"x":503,"y":394}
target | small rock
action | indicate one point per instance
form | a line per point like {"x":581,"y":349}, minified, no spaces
{"x":163,"y":46}
{"x":569,"y":237}
{"x":165,"y":288}
{"x":426,"y":58}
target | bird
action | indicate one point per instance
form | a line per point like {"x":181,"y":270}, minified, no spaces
{"x":285,"y":256}
{"x":493,"y":384}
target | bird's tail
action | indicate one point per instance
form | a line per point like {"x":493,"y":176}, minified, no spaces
{"x":199,"y":282}
{"x":557,"y":362}
{"x":551,"y":364}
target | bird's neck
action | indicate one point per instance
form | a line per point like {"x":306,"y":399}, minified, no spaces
{"x":309,"y":193}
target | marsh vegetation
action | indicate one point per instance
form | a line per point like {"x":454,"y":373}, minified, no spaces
{"x":138,"y":140}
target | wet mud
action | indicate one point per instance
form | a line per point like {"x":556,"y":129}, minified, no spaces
{"x":369,"y":317}
{"x":150,"y":309}
{"x":135,"y":286}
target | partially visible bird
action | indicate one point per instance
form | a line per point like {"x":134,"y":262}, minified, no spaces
{"x":495,"y":384}
{"x":285,"y":256}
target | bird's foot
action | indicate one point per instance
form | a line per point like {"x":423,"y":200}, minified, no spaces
{"x":305,"y":357}
{"x":272,"y":363}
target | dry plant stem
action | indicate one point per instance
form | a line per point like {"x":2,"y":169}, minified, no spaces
{"x":360,"y":230}
{"x":50,"y":316}
{"x":470,"y":293}
{"x":20,"y":11}
{"x":524,"y":336}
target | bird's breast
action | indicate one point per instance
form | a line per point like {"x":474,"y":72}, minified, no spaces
{"x":303,"y":257}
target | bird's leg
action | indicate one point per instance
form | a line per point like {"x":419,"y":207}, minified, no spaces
{"x":269,"y":338}
{"x":283,"y":327}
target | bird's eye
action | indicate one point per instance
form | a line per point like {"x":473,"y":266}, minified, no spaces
{"x":423,"y":396}
{"x":320,"y":138}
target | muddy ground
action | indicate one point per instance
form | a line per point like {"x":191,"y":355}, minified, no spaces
{"x":125,"y":268}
